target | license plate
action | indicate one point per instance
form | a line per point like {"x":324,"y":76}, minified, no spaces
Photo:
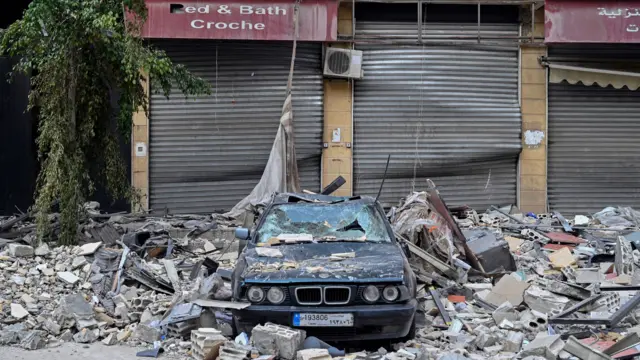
{"x":322,"y":320}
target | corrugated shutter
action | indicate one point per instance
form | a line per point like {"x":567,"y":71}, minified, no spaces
{"x":449,"y":113}
{"x":208,"y":153}
{"x":594,"y":152}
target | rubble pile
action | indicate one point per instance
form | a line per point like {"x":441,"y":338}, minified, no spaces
{"x":131,"y":280}
{"x":505,"y":284}
{"x":495,"y":285}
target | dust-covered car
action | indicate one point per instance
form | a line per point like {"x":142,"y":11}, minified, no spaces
{"x":329,"y":265}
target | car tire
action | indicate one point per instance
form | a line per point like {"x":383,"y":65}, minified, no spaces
{"x":412,"y":331}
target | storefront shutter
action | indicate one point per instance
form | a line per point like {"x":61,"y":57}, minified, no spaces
{"x":594,"y":152}
{"x":208,"y":153}
{"x":445,"y":112}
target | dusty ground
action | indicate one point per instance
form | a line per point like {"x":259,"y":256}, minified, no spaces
{"x":73,"y":351}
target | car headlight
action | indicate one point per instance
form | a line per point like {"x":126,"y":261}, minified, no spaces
{"x":390,"y":293}
{"x":255,"y":294}
{"x":371,"y":294}
{"x":275,"y":295}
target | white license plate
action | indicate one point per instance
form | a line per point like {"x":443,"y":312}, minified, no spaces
{"x":322,"y":320}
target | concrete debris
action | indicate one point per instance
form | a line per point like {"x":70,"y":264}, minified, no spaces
{"x":546,"y":346}
{"x":500,"y":278}
{"x":34,"y":340}
{"x":19,"y":250}
{"x":277,"y":340}
{"x":42,"y":250}
{"x":206,"y":342}
{"x":313,"y":354}
{"x":85,"y":336}
{"x":111,"y":339}
{"x":18,"y":312}
{"x":68,"y":277}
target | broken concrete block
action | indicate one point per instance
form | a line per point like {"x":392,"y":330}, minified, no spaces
{"x":123,"y":335}
{"x":18,"y":312}
{"x":147,"y":333}
{"x":547,"y":346}
{"x":19,"y":250}
{"x":68,"y":277}
{"x":561,"y":258}
{"x":513,"y":342}
{"x":42,"y":250}
{"x":52,"y":327}
{"x":27,"y":299}
{"x":121,"y":311}
{"x":544,"y":301}
{"x":484,"y":337}
{"x":85,"y":336}
{"x":111,"y":339}
{"x":66,"y":336}
{"x":313,"y":354}
{"x":589,"y":276}
{"x":89,"y":249}
{"x":505,"y":311}
{"x":277,"y":340}
{"x":34,"y":340}
{"x":507,"y":289}
{"x":78,"y":261}
{"x":74,"y":306}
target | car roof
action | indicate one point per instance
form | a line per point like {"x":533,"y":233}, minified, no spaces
{"x":288,"y":198}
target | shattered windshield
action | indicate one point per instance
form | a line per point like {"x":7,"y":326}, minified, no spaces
{"x":347,"y":221}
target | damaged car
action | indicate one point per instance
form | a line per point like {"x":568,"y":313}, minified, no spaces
{"x":328,"y":265}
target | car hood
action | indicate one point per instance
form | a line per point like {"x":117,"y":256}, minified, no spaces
{"x":373,"y":262}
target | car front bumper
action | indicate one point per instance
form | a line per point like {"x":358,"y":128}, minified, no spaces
{"x":371,"y":322}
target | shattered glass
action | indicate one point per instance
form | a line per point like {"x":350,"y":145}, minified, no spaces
{"x":346,"y":221}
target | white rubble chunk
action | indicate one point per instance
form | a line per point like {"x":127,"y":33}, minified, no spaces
{"x":68,"y":277}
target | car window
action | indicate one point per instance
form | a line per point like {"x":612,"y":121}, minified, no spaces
{"x":351,"y":221}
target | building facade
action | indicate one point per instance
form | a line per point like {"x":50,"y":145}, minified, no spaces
{"x":471,"y":96}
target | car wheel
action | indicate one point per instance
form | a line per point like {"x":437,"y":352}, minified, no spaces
{"x":412,"y":332}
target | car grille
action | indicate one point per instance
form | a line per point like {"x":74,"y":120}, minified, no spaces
{"x":337,"y":295}
{"x":309,"y":295}
{"x":328,"y":295}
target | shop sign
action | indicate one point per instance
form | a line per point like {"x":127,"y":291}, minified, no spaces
{"x":247,"y":20}
{"x":592,"y":21}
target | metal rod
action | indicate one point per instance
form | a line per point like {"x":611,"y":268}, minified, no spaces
{"x":419,"y":21}
{"x":574,"y":308}
{"x":443,"y":311}
{"x":533,"y":19}
{"x":478,"y":23}
{"x":624,"y":310}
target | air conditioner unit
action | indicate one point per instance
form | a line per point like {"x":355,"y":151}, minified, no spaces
{"x":343,"y":63}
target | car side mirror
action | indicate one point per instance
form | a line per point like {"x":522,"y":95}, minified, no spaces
{"x":242,"y":233}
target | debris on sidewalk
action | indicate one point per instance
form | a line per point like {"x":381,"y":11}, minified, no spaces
{"x":126,"y":282}
{"x":498,"y":284}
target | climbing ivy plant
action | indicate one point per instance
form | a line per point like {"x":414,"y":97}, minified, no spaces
{"x":84,"y":57}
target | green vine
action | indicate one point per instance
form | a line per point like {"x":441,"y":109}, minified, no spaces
{"x":82,"y":56}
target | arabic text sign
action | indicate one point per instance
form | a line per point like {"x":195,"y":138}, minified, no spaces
{"x":246,"y":20}
{"x":592,"y":21}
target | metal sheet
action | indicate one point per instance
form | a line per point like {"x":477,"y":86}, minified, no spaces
{"x":448,"y":113}
{"x":206,"y":154}
{"x":592,"y":21}
{"x":594,"y":156}
{"x":243,"y":20}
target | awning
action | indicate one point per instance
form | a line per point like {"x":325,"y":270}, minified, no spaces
{"x":590,"y":76}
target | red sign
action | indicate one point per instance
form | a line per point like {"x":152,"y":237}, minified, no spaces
{"x":246,"y":20}
{"x":592,"y":21}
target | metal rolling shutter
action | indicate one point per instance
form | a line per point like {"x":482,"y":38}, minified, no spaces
{"x":206,"y":154}
{"x":448,"y":113}
{"x":594,"y":152}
